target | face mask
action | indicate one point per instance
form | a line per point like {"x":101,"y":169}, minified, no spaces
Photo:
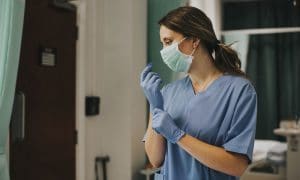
{"x":175,"y":59}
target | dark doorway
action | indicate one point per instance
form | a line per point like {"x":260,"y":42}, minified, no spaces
{"x":46,"y":78}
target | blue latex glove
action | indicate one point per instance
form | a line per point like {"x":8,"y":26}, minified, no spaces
{"x":163,"y":124}
{"x":150,"y":83}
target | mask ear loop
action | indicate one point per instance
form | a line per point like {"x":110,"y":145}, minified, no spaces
{"x":182,"y":40}
{"x":193,"y":51}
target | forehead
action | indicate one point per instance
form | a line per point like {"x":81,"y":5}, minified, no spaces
{"x":164,"y":32}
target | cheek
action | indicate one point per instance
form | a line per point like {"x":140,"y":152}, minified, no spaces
{"x":186,"y":48}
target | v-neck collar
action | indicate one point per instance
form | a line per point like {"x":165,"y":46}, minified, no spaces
{"x":210,"y":87}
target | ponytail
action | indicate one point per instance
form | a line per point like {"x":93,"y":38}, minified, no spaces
{"x":227,"y":60}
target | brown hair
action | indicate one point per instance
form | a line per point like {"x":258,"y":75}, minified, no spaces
{"x":193,"y":23}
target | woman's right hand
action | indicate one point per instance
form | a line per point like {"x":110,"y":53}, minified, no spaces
{"x":150,"y":81}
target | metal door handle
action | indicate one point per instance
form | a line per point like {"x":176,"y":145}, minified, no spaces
{"x":18,"y":117}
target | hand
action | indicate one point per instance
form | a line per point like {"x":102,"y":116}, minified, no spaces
{"x":163,"y":124}
{"x":150,"y":83}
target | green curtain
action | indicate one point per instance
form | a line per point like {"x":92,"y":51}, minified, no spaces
{"x":156,"y":10}
{"x":274,"y":67}
{"x":11,"y":25}
{"x":273,"y":59}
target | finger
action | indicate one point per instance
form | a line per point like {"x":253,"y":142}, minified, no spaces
{"x":154,"y":118}
{"x":149,"y":76}
{"x":158,"y":81}
{"x":156,"y":111}
{"x":145,"y":72}
{"x":153,"y":79}
{"x":153,"y":74}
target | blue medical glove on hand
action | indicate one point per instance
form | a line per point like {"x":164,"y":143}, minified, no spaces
{"x":150,"y":83}
{"x":164,"y":125}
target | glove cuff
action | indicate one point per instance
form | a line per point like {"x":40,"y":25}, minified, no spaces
{"x":178,"y":134}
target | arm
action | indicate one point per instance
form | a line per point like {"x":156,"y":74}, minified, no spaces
{"x":155,"y":146}
{"x":239,"y":138}
{"x":210,"y":155}
{"x":214,"y":157}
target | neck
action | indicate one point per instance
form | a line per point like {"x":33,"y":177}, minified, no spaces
{"x":203,"y":70}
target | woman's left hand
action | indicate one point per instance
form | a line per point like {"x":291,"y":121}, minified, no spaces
{"x":163,"y":124}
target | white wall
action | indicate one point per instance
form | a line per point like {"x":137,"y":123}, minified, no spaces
{"x":212,"y":9}
{"x":115,"y":54}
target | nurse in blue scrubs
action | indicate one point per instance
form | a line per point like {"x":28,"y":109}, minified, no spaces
{"x":202,"y":127}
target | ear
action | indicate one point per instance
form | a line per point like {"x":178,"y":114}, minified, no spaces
{"x":196,"y":42}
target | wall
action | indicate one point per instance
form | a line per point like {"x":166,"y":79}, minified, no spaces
{"x":115,"y":54}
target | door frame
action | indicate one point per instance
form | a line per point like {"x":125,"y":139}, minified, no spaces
{"x":80,"y":88}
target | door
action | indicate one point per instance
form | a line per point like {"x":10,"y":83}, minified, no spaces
{"x":46,"y":80}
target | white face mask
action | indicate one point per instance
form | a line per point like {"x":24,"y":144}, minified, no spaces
{"x":175,"y":59}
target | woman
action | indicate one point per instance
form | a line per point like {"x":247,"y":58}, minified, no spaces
{"x":202,"y":126}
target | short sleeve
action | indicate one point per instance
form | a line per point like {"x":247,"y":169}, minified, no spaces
{"x":241,"y":135}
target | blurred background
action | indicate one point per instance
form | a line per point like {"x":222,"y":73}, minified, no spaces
{"x":78,"y":111}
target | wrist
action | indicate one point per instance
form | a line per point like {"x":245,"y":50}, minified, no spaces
{"x":178,"y":134}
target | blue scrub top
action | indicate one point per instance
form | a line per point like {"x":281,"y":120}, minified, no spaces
{"x":223,"y":115}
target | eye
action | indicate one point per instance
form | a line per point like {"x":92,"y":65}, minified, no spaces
{"x":168,"y":42}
